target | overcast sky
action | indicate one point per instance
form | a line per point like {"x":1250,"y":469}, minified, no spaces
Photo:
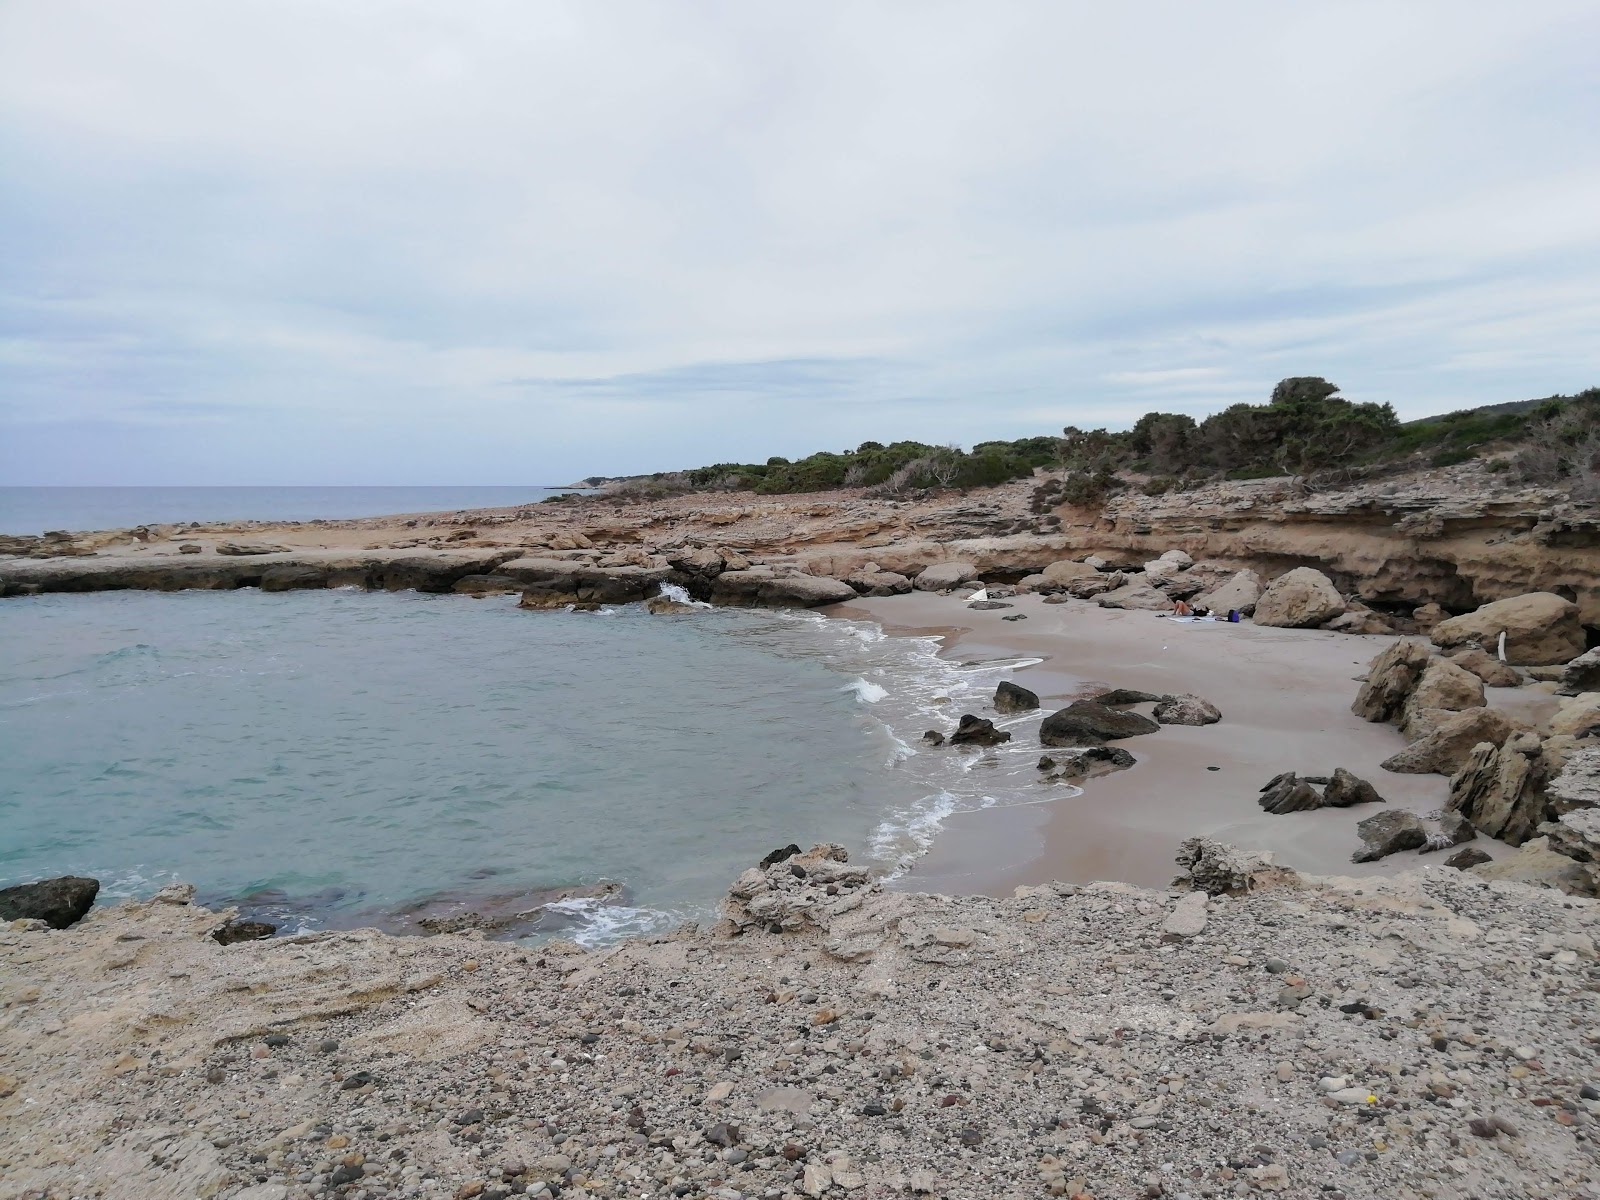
{"x":380,"y":241}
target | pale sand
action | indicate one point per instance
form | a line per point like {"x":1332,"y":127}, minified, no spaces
{"x":1285,"y":698}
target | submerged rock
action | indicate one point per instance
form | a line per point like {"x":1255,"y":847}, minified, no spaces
{"x":977,"y":731}
{"x":230,"y":932}
{"x":58,"y":902}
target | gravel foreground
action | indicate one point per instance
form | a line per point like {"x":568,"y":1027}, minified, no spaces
{"x":1425,"y":1035}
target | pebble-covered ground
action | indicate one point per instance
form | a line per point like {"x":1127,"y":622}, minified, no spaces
{"x":1429,"y":1035}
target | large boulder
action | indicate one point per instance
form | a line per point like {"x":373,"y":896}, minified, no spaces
{"x":941,"y":577}
{"x":1135,"y":596}
{"x":1299,"y":599}
{"x":1360,"y":620}
{"x":1390,"y":679}
{"x":1010,"y":698}
{"x":1186,"y":709}
{"x":1065,"y":571}
{"x":1501,"y":789}
{"x":57,"y":902}
{"x":1541,"y":628}
{"x":1088,"y":723}
{"x":1442,"y":688}
{"x":780,"y":591}
{"x":1239,"y":594}
{"x":1445,"y":750}
{"x":1581,"y":675}
{"x":872,"y":580}
{"x":1389,"y":832}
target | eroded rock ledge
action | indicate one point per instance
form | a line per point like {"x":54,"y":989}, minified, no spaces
{"x":1430,"y":1034}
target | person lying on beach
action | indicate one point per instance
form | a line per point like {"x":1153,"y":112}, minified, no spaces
{"x":1180,"y":608}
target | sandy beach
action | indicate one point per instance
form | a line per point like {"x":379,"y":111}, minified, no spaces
{"x":1285,"y":697}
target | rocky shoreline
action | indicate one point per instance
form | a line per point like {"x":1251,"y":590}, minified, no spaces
{"x":1247,"y":1031}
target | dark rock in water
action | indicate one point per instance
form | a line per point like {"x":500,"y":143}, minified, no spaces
{"x":1088,"y":723}
{"x":57,"y":902}
{"x":1046,"y":763}
{"x":1009,"y":698}
{"x":1187,"y":709}
{"x":989,"y":605}
{"x":506,"y":914}
{"x":783,"y":854}
{"x":1118,"y":696}
{"x":1093,"y":761}
{"x":1016,"y":617}
{"x":1470,"y":857}
{"x":242,"y":931}
{"x":977,"y":731}
{"x":1389,"y":832}
{"x":1345,"y":790}
{"x":933,"y":737}
{"x":1288,"y":793}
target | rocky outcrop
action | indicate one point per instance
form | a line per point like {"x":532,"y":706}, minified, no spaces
{"x":1186,"y":709}
{"x":973,"y":730}
{"x":1391,"y":677}
{"x":242,"y":549}
{"x":1537,"y":864}
{"x":1445,"y":749}
{"x":1540,"y":628}
{"x":1088,"y":723}
{"x":873,"y":580}
{"x":1220,"y":870}
{"x":1299,"y":599}
{"x":1345,"y":790}
{"x":1577,"y":784}
{"x":1012,"y":698}
{"x":1072,"y":766}
{"x":1442,"y":688}
{"x":1577,"y":835}
{"x":1578,"y":716}
{"x":1581,"y":675}
{"x":1501,"y":789}
{"x":1389,"y":832}
{"x":759,"y":587}
{"x":57,"y":902}
{"x":232,"y":932}
{"x":1064,"y":571}
{"x":800,"y":891}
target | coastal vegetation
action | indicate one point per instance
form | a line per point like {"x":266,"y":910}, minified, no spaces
{"x":1306,"y":428}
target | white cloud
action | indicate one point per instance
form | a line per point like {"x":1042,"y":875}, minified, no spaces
{"x":335,"y":220}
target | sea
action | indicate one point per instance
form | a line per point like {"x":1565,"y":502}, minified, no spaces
{"x":342,"y":758}
{"x":35,"y":510}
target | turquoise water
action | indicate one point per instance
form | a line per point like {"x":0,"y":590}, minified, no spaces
{"x":37,"y":509}
{"x":337,"y":755}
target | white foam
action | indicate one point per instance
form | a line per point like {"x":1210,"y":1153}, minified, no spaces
{"x":600,"y":924}
{"x":678,"y":595}
{"x":866,"y":691}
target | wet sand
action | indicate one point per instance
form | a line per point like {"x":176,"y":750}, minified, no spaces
{"x":1285,"y":697}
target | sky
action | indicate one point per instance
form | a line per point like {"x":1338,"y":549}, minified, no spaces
{"x":470,"y":241}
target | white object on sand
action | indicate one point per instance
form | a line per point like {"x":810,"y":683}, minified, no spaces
{"x":981,"y":594}
{"x":1502,"y":645}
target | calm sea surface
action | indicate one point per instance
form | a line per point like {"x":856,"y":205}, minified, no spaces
{"x":338,"y":754}
{"x":37,"y":509}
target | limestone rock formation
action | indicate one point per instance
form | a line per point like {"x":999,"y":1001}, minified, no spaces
{"x":1581,"y":675}
{"x":1186,"y":709}
{"x":1221,"y":870}
{"x":1578,"y":716}
{"x":1135,"y":596}
{"x":1011,"y":698}
{"x":57,"y":902}
{"x":1444,"y":750}
{"x":1577,"y":784}
{"x":1288,"y":793}
{"x":1345,"y":790}
{"x":1389,"y":832}
{"x":1536,"y":863}
{"x":1359,"y":619}
{"x":1486,"y":667}
{"x":756,"y":587}
{"x":1088,"y":723}
{"x":873,"y":580}
{"x":240,"y":549}
{"x":1239,"y":594}
{"x":941,"y":577}
{"x":1540,"y":627}
{"x":1065,"y":571}
{"x":1299,"y":599}
{"x":1576,"y":834}
{"x":1442,"y":688}
{"x":1501,"y":789}
{"x":1390,"y":679}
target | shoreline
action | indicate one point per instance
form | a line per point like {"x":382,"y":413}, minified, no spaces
{"x":1285,"y":698}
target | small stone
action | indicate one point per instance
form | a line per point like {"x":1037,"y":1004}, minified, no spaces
{"x":1285,"y":1072}
{"x":1276,"y":966}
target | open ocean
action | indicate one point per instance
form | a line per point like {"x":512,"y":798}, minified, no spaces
{"x":80,"y":509}
{"x":331,"y":757}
